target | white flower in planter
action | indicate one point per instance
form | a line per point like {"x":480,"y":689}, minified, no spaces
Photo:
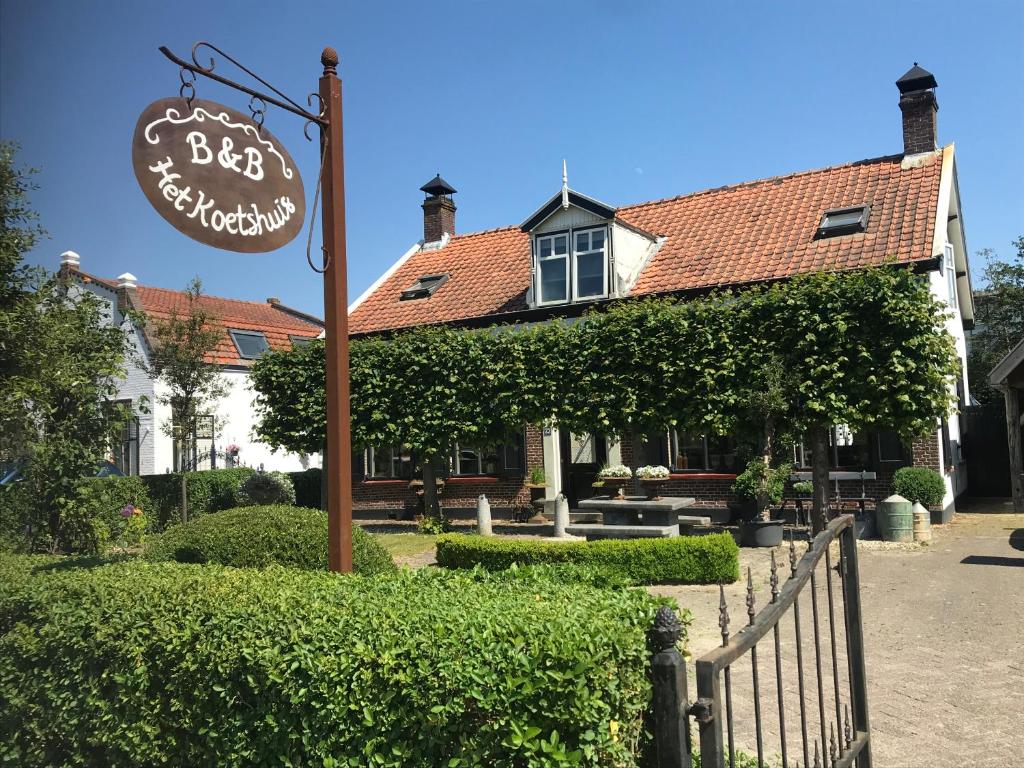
{"x":653,"y":472}
{"x":618,"y":471}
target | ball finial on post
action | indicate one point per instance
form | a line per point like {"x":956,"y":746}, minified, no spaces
{"x":329,"y":58}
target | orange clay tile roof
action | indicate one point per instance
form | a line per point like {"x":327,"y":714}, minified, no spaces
{"x":275,"y":322}
{"x":759,"y":230}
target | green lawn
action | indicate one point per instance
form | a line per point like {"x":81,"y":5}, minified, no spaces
{"x":405,"y":544}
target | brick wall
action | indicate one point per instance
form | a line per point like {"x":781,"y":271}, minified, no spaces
{"x":920,"y":121}
{"x":438,"y":218}
{"x":924,"y":452}
{"x":503,"y":491}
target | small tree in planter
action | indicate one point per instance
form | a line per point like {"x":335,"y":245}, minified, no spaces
{"x":762,"y":485}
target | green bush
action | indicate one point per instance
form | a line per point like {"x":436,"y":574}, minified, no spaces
{"x":919,"y":484}
{"x":140,"y":664}
{"x":265,"y":488}
{"x":255,"y":537}
{"x":678,"y":560}
{"x":307,"y":487}
{"x":209,"y":491}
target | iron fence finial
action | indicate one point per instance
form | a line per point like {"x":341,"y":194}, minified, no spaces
{"x":666,"y":630}
{"x":774,"y":580}
{"x":750,"y":595}
{"x":723,"y":615}
{"x":792,"y":555}
{"x":847,"y":731}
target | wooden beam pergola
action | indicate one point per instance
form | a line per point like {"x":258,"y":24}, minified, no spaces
{"x":1008,"y":377}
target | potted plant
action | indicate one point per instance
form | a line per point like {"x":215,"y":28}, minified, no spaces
{"x":615,"y":479}
{"x":653,"y":478}
{"x":761,"y":485}
{"x":537,"y":485}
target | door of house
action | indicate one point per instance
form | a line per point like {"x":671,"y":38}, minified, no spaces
{"x":986,"y":450}
{"x":582,"y":456}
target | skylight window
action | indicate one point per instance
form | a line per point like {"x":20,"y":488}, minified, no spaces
{"x":424,"y":287}
{"x":844,"y":221}
{"x":250,"y":344}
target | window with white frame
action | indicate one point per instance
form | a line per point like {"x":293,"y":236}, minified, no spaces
{"x":590,"y":266}
{"x":489,"y":460}
{"x":572,"y":265}
{"x":389,"y":463}
{"x":553,"y":268}
{"x":949,"y":266}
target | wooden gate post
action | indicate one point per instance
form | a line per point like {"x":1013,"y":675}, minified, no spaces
{"x":669,"y":702}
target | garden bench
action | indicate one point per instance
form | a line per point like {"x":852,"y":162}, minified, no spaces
{"x":600,"y":531}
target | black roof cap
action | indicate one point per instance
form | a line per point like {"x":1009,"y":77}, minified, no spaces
{"x":438,"y":186}
{"x":916,"y":79}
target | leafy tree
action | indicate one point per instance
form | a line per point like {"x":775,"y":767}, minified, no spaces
{"x":60,"y":360}
{"x":180,"y":348}
{"x":862,"y":348}
{"x":999,"y":319}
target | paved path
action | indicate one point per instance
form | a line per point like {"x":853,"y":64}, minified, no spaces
{"x":944,"y":631}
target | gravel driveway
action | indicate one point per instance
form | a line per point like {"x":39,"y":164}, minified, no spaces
{"x":944,"y":631}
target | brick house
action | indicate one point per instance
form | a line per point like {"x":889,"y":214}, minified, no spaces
{"x":248,"y":328}
{"x":575,"y":252}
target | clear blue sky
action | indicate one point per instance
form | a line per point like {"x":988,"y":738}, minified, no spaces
{"x":645,"y":100}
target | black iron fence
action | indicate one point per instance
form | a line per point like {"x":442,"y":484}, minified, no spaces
{"x":815,"y":712}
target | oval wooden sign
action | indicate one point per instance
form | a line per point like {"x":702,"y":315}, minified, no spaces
{"x":216,"y":177}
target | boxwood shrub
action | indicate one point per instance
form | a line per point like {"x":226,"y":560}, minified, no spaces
{"x":919,"y":484}
{"x":679,"y":560}
{"x":307,"y":487}
{"x":209,"y":491}
{"x":255,"y":537}
{"x":141,"y":664}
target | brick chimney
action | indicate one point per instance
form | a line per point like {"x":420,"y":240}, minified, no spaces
{"x":126,"y":285}
{"x":69,"y":262}
{"x":920,"y":110}
{"x":438,"y":210}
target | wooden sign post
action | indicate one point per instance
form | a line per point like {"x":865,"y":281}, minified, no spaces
{"x":222,"y":179}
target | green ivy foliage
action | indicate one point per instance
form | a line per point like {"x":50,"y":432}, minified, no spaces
{"x":255,"y":537}
{"x":209,"y":665}
{"x":711,"y":559}
{"x":867,"y":348}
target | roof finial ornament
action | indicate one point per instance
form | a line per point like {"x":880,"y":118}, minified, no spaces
{"x":565,"y":186}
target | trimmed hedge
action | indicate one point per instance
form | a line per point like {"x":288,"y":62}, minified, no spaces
{"x":307,"y":487}
{"x":140,"y":664}
{"x":209,"y":491}
{"x":678,"y":560}
{"x":919,"y":484}
{"x":255,"y":537}
{"x":265,"y":488}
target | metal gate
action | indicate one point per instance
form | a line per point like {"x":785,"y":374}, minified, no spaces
{"x":816,"y":710}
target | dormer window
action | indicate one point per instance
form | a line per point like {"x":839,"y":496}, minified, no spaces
{"x":844,"y":221}
{"x":250,"y":344}
{"x":579,"y":272}
{"x":590,"y":264}
{"x":424,"y":287}
{"x":553,"y":266}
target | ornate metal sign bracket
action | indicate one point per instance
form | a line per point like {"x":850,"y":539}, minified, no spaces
{"x":196,"y":68}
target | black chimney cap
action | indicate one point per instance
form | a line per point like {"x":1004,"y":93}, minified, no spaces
{"x":438,"y":186}
{"x":916,"y":79}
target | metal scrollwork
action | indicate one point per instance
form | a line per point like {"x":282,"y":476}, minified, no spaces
{"x":312,"y":216}
{"x":188,"y":86}
{"x":258,"y":110}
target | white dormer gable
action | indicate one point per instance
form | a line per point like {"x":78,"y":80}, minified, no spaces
{"x":580,"y":252}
